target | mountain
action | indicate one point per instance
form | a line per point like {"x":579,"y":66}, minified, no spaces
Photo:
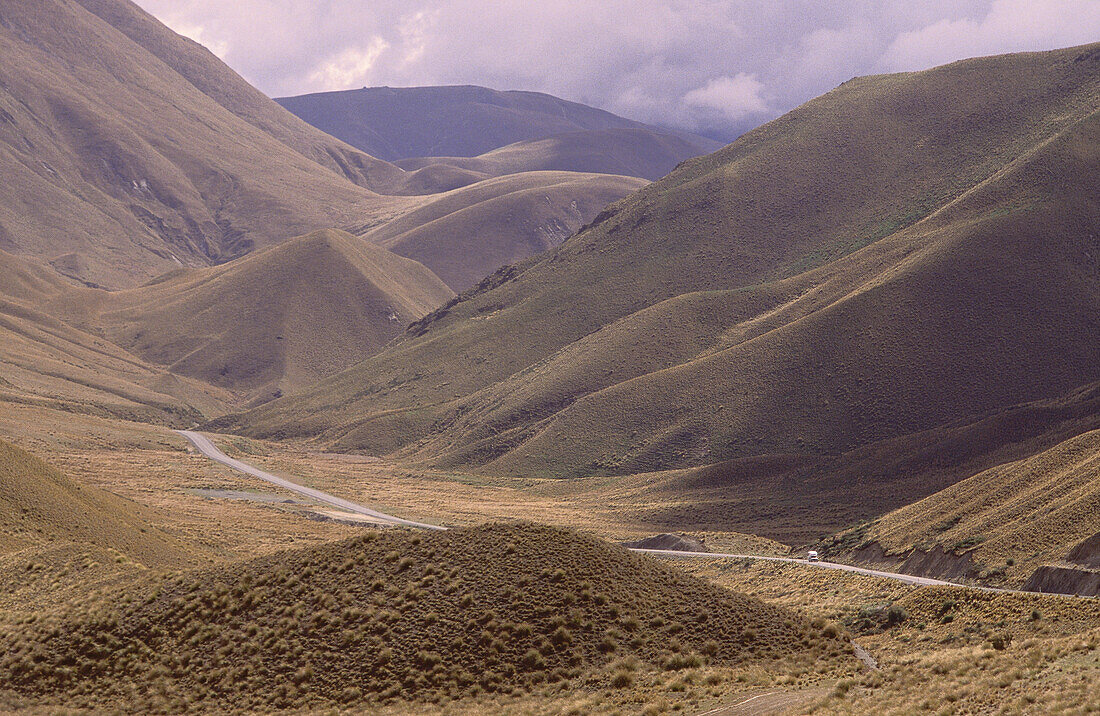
{"x":442,"y":125}
{"x":496,"y":609}
{"x":40,"y":505}
{"x":902,"y":253}
{"x":122,"y":168}
{"x":465,"y":234}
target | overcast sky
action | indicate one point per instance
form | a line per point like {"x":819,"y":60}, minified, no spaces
{"x":714,"y":66}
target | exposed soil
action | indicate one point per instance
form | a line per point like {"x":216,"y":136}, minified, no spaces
{"x":1064,"y":580}
{"x":680,"y":543}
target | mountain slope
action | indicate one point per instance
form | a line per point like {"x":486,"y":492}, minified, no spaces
{"x":463,"y":235}
{"x":273,"y":321}
{"x":1012,"y":517}
{"x":462,"y":121}
{"x":627,"y":151}
{"x":120,"y":168}
{"x":47,"y":361}
{"x":216,"y":80}
{"x":855,"y":271}
{"x":40,"y":505}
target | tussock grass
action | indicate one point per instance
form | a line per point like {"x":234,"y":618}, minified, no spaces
{"x":391,"y":616}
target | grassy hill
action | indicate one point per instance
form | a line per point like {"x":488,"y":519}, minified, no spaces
{"x":1010,"y":518}
{"x":628,"y":151}
{"x":394,"y":616}
{"x":854,"y":272}
{"x":466,"y":121}
{"x":275,"y":320}
{"x":465,"y":234}
{"x":122,"y":168}
{"x":40,"y":506}
{"x":49,"y":362}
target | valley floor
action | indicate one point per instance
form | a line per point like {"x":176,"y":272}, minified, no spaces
{"x":939,"y":650}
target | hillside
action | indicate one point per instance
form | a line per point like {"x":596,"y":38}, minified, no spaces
{"x":40,"y":506}
{"x":466,"y":121}
{"x":465,"y":234}
{"x":121,"y":168}
{"x":813,"y":289}
{"x":217,"y":81}
{"x":47,"y":362}
{"x":627,"y":151}
{"x":394,"y":616}
{"x":1009,"y":519}
{"x":273,"y":321}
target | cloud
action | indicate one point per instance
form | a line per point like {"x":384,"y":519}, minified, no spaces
{"x":1010,"y":26}
{"x":350,"y":67}
{"x":725,"y":99}
{"x":720,"y":66}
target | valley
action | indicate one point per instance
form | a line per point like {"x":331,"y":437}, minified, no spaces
{"x":460,"y":400}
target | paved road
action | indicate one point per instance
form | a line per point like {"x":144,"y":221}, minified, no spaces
{"x":207,"y":448}
{"x":907,"y":578}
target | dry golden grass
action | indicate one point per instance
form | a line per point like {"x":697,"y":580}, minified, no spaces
{"x":948,"y":650}
{"x":39,"y":505}
{"x":392,"y":616}
{"x":1011,"y":518}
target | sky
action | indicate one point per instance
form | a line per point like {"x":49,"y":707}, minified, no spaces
{"x":717,"y":67}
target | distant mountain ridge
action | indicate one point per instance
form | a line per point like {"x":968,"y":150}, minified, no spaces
{"x":448,"y":123}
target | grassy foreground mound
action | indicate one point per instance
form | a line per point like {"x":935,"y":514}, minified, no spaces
{"x":498,"y":609}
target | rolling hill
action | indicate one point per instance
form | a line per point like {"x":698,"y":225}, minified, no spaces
{"x":857,"y":271}
{"x":628,"y":151}
{"x":466,"y":121}
{"x":47,"y":361}
{"x":465,"y":234}
{"x":272,"y":321}
{"x":390,"y":617}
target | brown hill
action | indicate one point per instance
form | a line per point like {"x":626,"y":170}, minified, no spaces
{"x":463,"y":235}
{"x":628,"y":151}
{"x":217,"y":81}
{"x":273,"y":321}
{"x":466,"y":121}
{"x":46,"y":361}
{"x":41,"y":506}
{"x":904,"y":252}
{"x":120,"y":167}
{"x":496,"y":609}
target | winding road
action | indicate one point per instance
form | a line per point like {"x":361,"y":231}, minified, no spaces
{"x":204,"y":445}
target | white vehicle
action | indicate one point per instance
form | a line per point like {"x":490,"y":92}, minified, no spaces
{"x":813,"y":557}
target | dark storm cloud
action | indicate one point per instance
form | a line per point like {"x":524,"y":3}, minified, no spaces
{"x":717,"y":66}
